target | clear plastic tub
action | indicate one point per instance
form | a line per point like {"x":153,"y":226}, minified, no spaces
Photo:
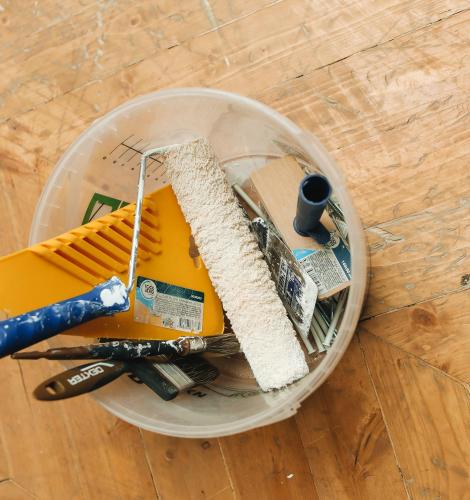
{"x":244,"y":134}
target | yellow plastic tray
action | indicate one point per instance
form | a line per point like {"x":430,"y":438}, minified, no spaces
{"x":70,"y":264}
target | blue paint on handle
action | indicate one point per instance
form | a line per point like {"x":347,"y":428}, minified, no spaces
{"x":314,"y":193}
{"x":26,"y":329}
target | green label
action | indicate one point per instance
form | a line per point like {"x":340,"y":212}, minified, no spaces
{"x":100,"y":205}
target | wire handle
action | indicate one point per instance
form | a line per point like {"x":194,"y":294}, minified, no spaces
{"x":138,"y":210}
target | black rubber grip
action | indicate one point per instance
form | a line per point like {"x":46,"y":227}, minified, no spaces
{"x":79,"y":380}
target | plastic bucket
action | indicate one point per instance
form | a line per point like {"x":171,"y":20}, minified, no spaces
{"x":244,"y":134}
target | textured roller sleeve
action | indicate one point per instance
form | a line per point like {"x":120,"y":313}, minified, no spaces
{"x":236,"y":267}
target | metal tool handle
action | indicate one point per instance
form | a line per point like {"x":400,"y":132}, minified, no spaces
{"x":79,"y":380}
{"x":138,"y":209}
{"x":26,"y":329}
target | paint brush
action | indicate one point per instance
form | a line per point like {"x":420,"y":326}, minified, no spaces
{"x":79,"y":380}
{"x":165,"y":380}
{"x":223,"y":345}
{"x":185,"y":373}
{"x":91,"y":376}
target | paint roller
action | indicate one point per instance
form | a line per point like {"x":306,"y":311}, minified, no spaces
{"x":235,"y":265}
{"x":105,"y":299}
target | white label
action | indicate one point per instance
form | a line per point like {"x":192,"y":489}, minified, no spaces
{"x":169,"y":306}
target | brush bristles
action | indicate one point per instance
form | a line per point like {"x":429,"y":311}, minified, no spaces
{"x":198,"y":369}
{"x":225,"y":344}
{"x":174,"y":375}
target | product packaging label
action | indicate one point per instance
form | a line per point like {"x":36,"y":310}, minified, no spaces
{"x":329,"y":267}
{"x":296,"y":289}
{"x":290,"y":285}
{"x":170,"y":306}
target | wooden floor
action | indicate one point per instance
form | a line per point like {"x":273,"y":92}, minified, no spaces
{"x":385,"y":86}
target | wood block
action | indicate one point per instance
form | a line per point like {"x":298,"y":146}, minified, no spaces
{"x":277,"y":185}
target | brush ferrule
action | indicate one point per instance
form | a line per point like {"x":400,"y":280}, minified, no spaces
{"x":175,"y":376}
{"x":194,"y":345}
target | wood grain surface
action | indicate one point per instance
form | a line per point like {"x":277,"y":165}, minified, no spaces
{"x":384,"y":85}
{"x":427,"y":415}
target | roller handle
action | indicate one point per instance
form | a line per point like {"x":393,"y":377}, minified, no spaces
{"x":79,"y":380}
{"x":314,"y":193}
{"x":26,"y":329}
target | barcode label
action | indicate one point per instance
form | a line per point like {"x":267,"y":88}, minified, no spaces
{"x":189,"y":324}
{"x":306,"y":264}
{"x":329,"y":268}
